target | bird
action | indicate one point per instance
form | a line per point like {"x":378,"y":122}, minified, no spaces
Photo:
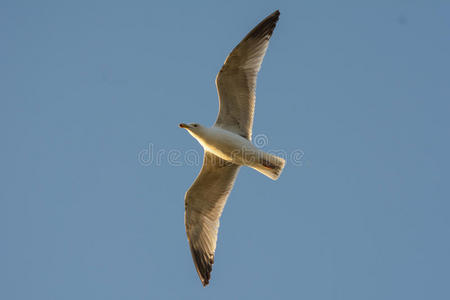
{"x":227,"y":145}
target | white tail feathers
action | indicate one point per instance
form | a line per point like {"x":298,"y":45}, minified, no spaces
{"x":270,"y":165}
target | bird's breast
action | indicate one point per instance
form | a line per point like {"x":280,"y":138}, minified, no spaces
{"x":227,"y":145}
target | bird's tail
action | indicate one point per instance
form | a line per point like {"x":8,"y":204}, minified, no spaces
{"x":270,"y":165}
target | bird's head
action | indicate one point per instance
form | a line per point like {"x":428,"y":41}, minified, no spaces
{"x":193,"y":128}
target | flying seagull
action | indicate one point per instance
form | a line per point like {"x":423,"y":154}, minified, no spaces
{"x":227,"y":145}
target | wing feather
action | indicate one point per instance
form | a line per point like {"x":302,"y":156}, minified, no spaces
{"x":236,"y":80}
{"x":204,"y":202}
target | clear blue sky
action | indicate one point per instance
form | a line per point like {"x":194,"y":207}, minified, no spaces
{"x":360,"y":87}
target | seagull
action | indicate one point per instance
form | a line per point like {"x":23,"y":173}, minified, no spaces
{"x":227,"y":145}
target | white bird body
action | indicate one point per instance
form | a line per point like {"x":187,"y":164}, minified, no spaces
{"x":234,"y":148}
{"x":225,"y":144}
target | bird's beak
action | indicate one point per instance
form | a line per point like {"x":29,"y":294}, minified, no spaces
{"x":182,"y":125}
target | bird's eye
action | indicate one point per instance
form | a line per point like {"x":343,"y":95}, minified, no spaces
{"x":195,"y":125}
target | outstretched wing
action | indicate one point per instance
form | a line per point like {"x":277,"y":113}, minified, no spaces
{"x":204,"y":202}
{"x":236,"y":81}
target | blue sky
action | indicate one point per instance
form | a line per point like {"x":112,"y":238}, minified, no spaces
{"x":361,"y":88}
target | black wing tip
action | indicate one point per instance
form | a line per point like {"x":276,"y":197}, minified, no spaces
{"x":266,"y":27}
{"x":273,"y":17}
{"x":203,"y":264}
{"x":205,"y":282}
